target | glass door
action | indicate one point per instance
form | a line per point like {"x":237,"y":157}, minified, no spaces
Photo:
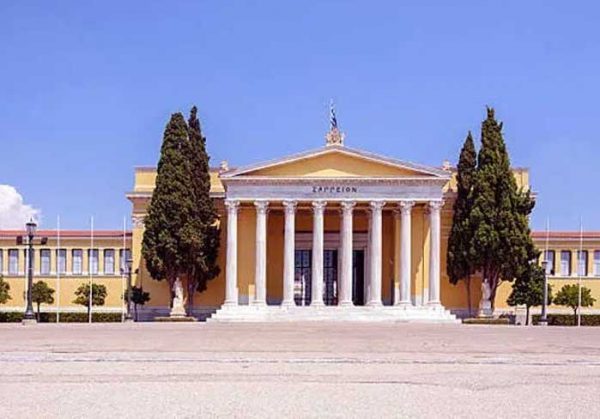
{"x":302,"y":277}
{"x":330,"y":263}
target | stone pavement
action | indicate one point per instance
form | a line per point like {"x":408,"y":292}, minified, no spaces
{"x":298,"y":370}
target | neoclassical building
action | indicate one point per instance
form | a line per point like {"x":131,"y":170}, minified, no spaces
{"x":333,"y":233}
{"x":330,"y":233}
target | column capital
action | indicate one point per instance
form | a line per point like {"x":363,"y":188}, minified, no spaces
{"x":261,"y":206}
{"x":376,"y":205}
{"x":290,"y":207}
{"x":319,"y":206}
{"x":347,"y":206}
{"x":406,"y":206}
{"x":436,"y":205}
{"x":232,"y":205}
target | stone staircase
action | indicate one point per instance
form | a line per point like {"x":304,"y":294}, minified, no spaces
{"x":252,"y":313}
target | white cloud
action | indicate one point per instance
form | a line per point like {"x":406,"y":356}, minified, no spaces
{"x":13,"y":212}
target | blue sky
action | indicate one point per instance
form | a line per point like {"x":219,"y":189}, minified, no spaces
{"x":87,"y":87}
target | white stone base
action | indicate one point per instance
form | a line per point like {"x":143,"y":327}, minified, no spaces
{"x":332,"y":313}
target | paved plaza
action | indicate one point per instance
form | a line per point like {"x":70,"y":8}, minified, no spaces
{"x":298,"y":370}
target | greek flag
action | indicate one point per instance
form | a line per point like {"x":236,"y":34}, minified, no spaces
{"x":332,"y":119}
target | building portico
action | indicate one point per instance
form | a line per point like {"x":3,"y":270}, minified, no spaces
{"x":332,"y":233}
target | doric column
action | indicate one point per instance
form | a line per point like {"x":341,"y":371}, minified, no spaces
{"x":405,"y":250}
{"x":231,"y":291}
{"x":317,"y":254}
{"x":260,"y":272}
{"x":345,"y":289}
{"x":375,"y":254}
{"x":434,"y":253}
{"x":288,"y":252}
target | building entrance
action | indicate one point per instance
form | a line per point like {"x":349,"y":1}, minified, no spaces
{"x":303,"y":277}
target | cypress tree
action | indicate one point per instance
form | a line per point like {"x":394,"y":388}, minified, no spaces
{"x":502,"y":245}
{"x":201,"y":233}
{"x":170,"y":207}
{"x":459,"y":263}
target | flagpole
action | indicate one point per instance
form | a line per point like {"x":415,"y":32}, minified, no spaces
{"x":544,"y":317}
{"x":579,"y":271}
{"x":123,"y":270}
{"x":58,"y":269}
{"x":91,"y":281}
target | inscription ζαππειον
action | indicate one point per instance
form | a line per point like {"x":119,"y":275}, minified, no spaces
{"x":334,"y":189}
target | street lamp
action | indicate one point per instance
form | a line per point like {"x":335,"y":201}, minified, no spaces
{"x":128,"y":316}
{"x":29,"y":316}
{"x":544,"y":318}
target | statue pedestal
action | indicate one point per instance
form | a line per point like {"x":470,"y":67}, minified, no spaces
{"x":485,"y":309}
{"x":177,"y":311}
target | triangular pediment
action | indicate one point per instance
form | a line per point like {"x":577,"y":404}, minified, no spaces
{"x":336,"y":162}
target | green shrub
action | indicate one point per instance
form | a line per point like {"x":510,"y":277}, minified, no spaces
{"x":569,"y":320}
{"x":16,"y":317}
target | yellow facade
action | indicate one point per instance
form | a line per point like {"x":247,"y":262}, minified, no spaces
{"x":75,"y":271}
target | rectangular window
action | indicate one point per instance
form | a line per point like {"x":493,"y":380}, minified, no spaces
{"x":13,"y":262}
{"x":77,"y":261}
{"x":109,"y":261}
{"x":550,"y":262}
{"x":45,"y":262}
{"x":124,"y":256}
{"x":582,"y":258}
{"x":61,"y":261}
{"x":596,"y":262}
{"x":93,"y":261}
{"x":565,"y":262}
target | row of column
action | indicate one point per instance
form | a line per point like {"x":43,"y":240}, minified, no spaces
{"x":345,"y":279}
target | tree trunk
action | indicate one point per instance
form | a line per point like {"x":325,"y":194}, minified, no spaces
{"x":526,"y":315}
{"x":575,"y":317}
{"x":171,"y":281}
{"x":135,"y":312}
{"x":469,"y":303}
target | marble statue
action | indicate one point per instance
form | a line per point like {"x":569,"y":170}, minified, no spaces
{"x":485,"y":305}
{"x":178,"y":309}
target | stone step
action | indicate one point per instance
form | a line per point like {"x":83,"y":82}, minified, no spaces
{"x":334,"y":313}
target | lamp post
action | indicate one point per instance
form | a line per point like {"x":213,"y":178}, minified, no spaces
{"x":29,"y":316}
{"x":128,"y":316}
{"x":544,"y":318}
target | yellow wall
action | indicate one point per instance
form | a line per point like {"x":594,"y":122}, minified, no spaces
{"x":333,"y":164}
{"x":69,"y":282}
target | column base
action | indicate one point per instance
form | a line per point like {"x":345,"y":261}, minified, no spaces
{"x":404,"y":304}
{"x":256,"y":303}
{"x":230,"y":304}
{"x":346,"y":304}
{"x":288,"y":304}
{"x":435,"y":305}
{"x":28,"y":322}
{"x":374,"y":304}
{"x":317,"y":304}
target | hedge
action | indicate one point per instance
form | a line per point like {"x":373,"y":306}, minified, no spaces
{"x":17,"y":317}
{"x":569,"y":319}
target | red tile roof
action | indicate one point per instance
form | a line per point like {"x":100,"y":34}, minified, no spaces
{"x":67,"y":233}
{"x":565,"y":234}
